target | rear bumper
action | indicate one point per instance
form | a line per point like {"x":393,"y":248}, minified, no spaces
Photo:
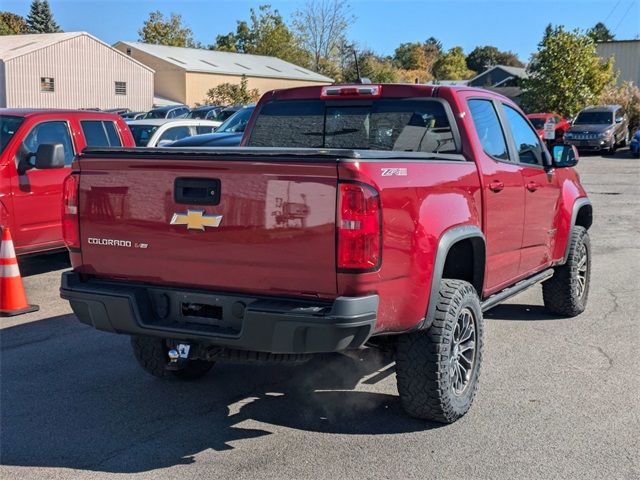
{"x":263,"y":324}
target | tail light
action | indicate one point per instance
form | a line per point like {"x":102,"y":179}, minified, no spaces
{"x":359,"y":228}
{"x":70,"y":220}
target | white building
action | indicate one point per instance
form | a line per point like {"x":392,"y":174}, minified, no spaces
{"x":70,"y":70}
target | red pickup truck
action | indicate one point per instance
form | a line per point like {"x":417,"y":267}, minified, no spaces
{"x":36,"y":151}
{"x":378,"y":215}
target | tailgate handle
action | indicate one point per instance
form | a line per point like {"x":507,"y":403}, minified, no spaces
{"x":196,"y":191}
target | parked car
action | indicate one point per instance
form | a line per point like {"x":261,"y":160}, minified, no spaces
{"x":634,"y":145}
{"x":228,"y":134}
{"x":161,"y":132}
{"x":173,"y":111}
{"x":560,"y":124}
{"x":206,"y":112}
{"x":385,"y":215}
{"x":133,"y":115}
{"x":36,"y":151}
{"x":603,"y":128}
{"x":228,"y":111}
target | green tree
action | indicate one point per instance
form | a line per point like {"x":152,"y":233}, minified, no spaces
{"x":232,"y":94}
{"x":266,"y":33}
{"x":40,"y":18}
{"x":160,"y":30}
{"x":415,"y":60}
{"x":12,"y":24}
{"x":565,"y":74}
{"x":452,"y":65}
{"x":375,"y":68}
{"x":321,"y":27}
{"x":600,"y":33}
{"x":483,"y":58}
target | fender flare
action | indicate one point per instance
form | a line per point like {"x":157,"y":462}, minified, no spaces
{"x":447,"y":240}
{"x":577,"y":205}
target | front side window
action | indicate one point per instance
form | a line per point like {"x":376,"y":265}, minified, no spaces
{"x":526,"y":140}
{"x":485,"y":119}
{"x":100,"y":133}
{"x":47,"y":133}
{"x":409,"y":125}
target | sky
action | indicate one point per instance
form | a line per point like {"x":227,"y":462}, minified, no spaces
{"x":381,"y":25}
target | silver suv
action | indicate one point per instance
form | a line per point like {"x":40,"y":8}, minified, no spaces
{"x":602,"y":128}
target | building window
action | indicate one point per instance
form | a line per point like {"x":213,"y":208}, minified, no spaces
{"x":121,"y":88}
{"x":47,"y":84}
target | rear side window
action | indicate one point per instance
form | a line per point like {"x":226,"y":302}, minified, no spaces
{"x":100,"y":133}
{"x":410,"y":125}
{"x":488,"y":128}
{"x":175,"y":133}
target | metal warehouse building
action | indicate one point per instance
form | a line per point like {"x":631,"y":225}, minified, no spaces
{"x":626,"y":55}
{"x":186,"y":74}
{"x":70,"y":70}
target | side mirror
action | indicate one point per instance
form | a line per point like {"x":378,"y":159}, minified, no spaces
{"x":565,"y":156}
{"x":49,"y":156}
{"x":618,"y":120}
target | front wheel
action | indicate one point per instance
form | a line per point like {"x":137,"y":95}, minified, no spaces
{"x":437,"y":369}
{"x":567,"y":291}
{"x":151,"y":354}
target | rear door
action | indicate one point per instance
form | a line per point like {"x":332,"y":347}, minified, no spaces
{"x":38,"y":194}
{"x":503,"y":196}
{"x":541,"y":193}
{"x":260,"y":227}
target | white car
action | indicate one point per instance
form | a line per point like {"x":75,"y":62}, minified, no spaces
{"x":160,"y":132}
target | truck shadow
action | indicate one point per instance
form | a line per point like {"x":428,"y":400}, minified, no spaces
{"x":43,"y":263}
{"x":74,"y":398}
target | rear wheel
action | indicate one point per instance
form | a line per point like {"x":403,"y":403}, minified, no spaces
{"x":151,"y":354}
{"x":437,"y":369}
{"x":566,"y":293}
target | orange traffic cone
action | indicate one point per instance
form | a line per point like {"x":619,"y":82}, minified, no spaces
{"x":13,"y":300}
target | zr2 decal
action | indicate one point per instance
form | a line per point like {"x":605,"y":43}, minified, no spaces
{"x":390,"y":172}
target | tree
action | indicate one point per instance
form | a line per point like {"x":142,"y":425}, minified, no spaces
{"x":40,"y":18}
{"x":266,"y":33}
{"x":452,"y":65}
{"x":600,"y":33}
{"x":483,"y":58}
{"x":159,"y":30}
{"x":415,"y":60}
{"x":566,"y":74}
{"x":232,"y":94}
{"x":321,"y":27}
{"x":375,"y":68}
{"x":12,"y":24}
{"x":628,"y":96}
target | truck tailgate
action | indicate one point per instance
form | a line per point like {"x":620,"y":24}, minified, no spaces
{"x":155,"y":221}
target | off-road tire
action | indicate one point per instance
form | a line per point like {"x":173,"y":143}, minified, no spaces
{"x":151,"y":354}
{"x":423,"y":358}
{"x":561,"y":292}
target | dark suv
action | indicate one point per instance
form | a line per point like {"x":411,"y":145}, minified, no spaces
{"x":602,"y":128}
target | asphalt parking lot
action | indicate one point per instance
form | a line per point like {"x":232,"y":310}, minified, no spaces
{"x":558,"y":398}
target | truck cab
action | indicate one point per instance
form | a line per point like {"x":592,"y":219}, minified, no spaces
{"x":30,"y":184}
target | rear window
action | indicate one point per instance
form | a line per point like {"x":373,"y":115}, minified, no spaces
{"x":410,"y":125}
{"x":8,"y":127}
{"x":100,"y":133}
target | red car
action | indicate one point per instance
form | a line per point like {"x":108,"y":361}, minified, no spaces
{"x":560,"y":124}
{"x":36,"y":151}
{"x":382,"y":215}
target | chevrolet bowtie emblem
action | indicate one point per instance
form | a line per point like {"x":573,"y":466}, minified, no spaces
{"x":195,"y":219}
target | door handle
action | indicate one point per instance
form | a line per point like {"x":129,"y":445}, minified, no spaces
{"x":496,"y":186}
{"x":533,"y":186}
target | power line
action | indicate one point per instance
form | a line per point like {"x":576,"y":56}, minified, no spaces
{"x":615,"y":30}
{"x":612,"y":10}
